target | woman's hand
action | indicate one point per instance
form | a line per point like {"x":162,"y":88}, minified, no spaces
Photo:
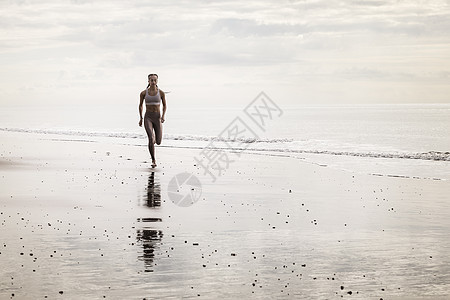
{"x":140,"y":122}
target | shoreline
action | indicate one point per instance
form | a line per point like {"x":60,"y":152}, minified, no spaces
{"x":431,"y":165}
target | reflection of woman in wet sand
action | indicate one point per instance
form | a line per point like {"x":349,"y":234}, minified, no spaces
{"x":153,"y":97}
{"x":150,"y":239}
{"x":153,"y":198}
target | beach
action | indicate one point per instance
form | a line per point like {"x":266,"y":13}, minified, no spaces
{"x":302,"y":150}
{"x":87,"y":218}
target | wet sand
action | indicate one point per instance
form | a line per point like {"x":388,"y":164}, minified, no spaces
{"x":89,"y":219}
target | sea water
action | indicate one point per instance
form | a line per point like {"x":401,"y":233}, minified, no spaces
{"x":409,"y":140}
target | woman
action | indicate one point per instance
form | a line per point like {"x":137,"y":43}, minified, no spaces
{"x":153,"y":97}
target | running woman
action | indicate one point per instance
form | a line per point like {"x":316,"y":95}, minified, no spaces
{"x":152,"y":120}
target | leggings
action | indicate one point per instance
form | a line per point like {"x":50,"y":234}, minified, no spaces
{"x":152,"y":124}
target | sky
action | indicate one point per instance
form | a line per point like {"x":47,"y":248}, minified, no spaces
{"x":215,"y":53}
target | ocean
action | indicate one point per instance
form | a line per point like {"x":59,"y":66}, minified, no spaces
{"x":408,"y":140}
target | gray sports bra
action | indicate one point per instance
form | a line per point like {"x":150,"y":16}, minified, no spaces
{"x":152,"y":100}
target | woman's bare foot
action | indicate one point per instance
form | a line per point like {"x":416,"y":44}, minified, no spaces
{"x":153,"y":164}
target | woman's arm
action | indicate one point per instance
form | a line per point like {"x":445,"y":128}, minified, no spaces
{"x":141,"y":106}
{"x":163,"y":98}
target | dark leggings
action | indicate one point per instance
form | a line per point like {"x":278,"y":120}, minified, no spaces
{"x":152,"y":124}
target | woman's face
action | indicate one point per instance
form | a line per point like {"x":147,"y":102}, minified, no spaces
{"x":153,"y":80}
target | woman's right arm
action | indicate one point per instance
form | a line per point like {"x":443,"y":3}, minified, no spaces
{"x":141,"y":106}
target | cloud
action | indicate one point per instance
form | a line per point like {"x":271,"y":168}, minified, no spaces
{"x":94,"y":42}
{"x":243,"y":28}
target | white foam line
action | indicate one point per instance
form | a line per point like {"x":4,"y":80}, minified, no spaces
{"x":431,"y":155}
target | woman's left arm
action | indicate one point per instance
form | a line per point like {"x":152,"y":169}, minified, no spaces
{"x":163,"y":98}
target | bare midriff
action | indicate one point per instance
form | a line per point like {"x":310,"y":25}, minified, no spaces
{"x":152,"y":108}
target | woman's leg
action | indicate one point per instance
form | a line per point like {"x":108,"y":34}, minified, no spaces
{"x":148,"y":124}
{"x":157,"y":126}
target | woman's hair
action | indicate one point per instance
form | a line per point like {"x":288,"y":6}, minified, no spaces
{"x":149,"y":75}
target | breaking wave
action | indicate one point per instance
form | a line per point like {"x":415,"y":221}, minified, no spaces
{"x":280,"y":145}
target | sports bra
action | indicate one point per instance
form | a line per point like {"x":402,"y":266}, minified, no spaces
{"x":152,"y":100}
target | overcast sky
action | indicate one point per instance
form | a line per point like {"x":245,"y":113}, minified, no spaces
{"x":213,"y":52}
